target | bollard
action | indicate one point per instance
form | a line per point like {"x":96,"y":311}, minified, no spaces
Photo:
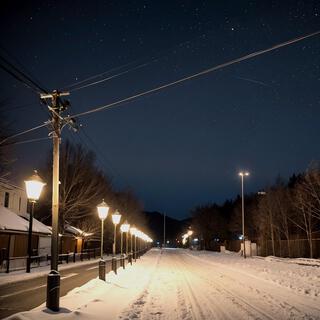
{"x":122,"y":261}
{"x":130,"y":258}
{"x":53,"y":290}
{"x":74,"y":257}
{"x":102,"y":269}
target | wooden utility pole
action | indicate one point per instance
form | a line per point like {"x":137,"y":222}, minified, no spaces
{"x":53,"y":283}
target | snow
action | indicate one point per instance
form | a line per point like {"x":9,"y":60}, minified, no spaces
{"x":183,"y":284}
{"x":11,"y":221}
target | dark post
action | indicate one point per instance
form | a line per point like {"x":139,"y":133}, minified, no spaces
{"x":30,"y":238}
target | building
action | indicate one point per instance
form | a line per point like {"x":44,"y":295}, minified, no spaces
{"x":13,"y":197}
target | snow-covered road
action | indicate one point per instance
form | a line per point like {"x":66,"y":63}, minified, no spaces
{"x":181,"y":284}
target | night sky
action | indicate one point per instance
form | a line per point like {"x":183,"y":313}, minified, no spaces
{"x":184,"y":145}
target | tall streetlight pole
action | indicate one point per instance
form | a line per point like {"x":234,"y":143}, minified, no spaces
{"x":34,"y":186}
{"x":103,"y":210}
{"x":164,"y":230}
{"x":242,"y":175}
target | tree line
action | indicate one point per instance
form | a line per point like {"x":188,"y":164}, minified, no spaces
{"x":284,"y":220}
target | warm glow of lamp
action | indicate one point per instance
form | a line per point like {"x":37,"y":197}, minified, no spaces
{"x":116,"y":217}
{"x":125,"y":227}
{"x":34,"y":186}
{"x":244,"y":173}
{"x":190,"y":233}
{"x":133,"y":230}
{"x":103,"y":210}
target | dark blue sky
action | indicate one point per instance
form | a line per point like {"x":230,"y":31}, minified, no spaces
{"x":183,"y":146}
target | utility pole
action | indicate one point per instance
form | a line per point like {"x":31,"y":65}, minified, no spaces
{"x":164,"y":230}
{"x":57,"y":121}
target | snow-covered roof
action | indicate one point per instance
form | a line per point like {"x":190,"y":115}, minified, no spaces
{"x":10,"y":221}
{"x":76,"y":231}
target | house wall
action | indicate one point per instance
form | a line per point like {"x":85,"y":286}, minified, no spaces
{"x":13,"y":198}
{"x":44,"y":245}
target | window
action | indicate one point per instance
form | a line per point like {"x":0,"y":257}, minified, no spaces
{"x":6,"y":199}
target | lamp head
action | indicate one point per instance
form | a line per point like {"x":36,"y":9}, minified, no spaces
{"x":243,"y":173}
{"x":34,"y":186}
{"x":116,"y":217}
{"x":125,"y":227}
{"x":133,"y":230}
{"x":103,"y":210}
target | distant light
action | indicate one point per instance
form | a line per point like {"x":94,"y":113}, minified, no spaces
{"x":168,"y":241}
{"x":240,"y":237}
{"x":196,"y":240}
{"x":190,"y":233}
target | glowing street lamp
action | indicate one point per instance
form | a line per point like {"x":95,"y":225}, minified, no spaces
{"x":116,"y":217}
{"x":133,"y":231}
{"x":34,"y":186}
{"x":125,"y":228}
{"x":242,"y":175}
{"x":103,"y":210}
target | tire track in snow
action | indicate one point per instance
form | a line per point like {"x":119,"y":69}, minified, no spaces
{"x":136,"y":308}
{"x":202,"y":305}
{"x":275,"y":300}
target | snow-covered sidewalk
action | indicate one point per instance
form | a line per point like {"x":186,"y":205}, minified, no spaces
{"x":182,"y":284}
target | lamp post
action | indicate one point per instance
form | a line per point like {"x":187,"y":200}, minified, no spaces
{"x":242,"y":175}
{"x":116,"y":217}
{"x":190,"y":233}
{"x":124,"y":228}
{"x":103,"y":210}
{"x":133,"y":230}
{"x":34,"y":186}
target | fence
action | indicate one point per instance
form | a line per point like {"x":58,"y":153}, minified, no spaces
{"x":294,"y":248}
{"x":8,"y":264}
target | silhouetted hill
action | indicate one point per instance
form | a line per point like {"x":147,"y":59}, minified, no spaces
{"x":174,"y":228}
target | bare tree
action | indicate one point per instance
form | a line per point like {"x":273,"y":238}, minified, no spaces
{"x":82,"y":185}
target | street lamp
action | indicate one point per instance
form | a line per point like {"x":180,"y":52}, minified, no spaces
{"x":34,"y":186}
{"x":124,"y":228}
{"x":116,"y":217}
{"x":242,"y":175}
{"x":190,"y":233}
{"x":133,"y":231}
{"x":103,"y":210}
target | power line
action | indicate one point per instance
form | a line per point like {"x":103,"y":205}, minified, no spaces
{"x":21,"y":74}
{"x":206,"y":71}
{"x":23,"y":142}
{"x":128,"y":99}
{"x":18,"y":62}
{"x":18,"y":78}
{"x":110,"y":77}
{"x":145,"y":61}
{"x":23,"y":132}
